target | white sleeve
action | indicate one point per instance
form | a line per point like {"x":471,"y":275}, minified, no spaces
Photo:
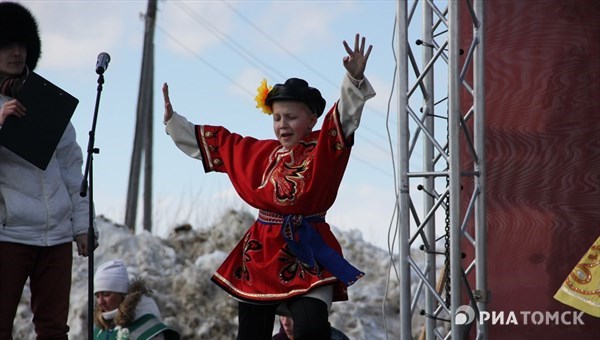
{"x":70,"y":161}
{"x":183,"y":133}
{"x":352,"y":101}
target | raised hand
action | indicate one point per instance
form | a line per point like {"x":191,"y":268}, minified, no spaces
{"x":168,"y":106}
{"x":356,"y":60}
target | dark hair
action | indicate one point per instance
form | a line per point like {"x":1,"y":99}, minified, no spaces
{"x":295,"y":89}
{"x":17,"y":25}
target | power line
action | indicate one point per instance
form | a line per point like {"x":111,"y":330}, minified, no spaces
{"x":230,"y":42}
{"x":302,"y":62}
{"x":204,"y":61}
{"x":283,"y":48}
{"x":288,"y":52}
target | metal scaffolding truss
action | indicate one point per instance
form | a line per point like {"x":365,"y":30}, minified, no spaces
{"x":441,"y":169}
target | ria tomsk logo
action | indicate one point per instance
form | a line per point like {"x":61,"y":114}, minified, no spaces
{"x":464,"y":315}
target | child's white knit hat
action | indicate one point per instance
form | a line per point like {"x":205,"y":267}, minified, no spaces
{"x":111,"y":276}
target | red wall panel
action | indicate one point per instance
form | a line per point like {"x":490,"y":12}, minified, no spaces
{"x":542,"y":78}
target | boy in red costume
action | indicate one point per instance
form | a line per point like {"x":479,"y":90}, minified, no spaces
{"x":289,"y":255}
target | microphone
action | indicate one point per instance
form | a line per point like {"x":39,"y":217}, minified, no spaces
{"x":102,"y":63}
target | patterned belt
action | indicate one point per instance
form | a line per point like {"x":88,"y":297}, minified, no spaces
{"x":268,"y":217}
{"x":309,"y":247}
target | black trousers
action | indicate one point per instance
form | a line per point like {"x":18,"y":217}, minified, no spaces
{"x":310,"y":317}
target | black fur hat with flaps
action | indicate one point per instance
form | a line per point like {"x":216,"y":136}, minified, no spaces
{"x":297,"y":90}
{"x":17,"y":25}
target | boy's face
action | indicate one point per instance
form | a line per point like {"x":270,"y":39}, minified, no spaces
{"x":12,"y":59}
{"x":291,"y":122}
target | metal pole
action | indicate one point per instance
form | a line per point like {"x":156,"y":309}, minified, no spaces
{"x":403,"y":222}
{"x":454,"y":168}
{"x":87,"y":189}
{"x":428,"y":166}
{"x":480,"y":181}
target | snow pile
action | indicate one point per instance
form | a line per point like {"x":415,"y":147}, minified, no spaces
{"x":178,"y":270}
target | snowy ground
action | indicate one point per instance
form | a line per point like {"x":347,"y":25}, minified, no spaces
{"x":178,"y":270}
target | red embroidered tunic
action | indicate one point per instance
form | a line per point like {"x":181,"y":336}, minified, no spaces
{"x":302,"y":181}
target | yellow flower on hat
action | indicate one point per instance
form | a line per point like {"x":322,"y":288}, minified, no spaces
{"x":261,"y":96}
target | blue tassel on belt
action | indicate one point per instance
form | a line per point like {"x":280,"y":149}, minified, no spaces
{"x":307,"y":244}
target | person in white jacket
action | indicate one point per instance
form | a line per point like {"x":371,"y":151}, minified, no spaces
{"x":124,"y":308}
{"x":41,"y":211}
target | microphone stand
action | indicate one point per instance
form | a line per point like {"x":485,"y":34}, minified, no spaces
{"x":91,"y":237}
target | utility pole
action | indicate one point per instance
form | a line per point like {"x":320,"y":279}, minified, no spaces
{"x":142,"y":144}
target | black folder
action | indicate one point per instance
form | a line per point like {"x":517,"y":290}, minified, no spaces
{"x":35,"y":136}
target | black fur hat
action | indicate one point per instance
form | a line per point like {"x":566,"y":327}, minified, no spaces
{"x":17,"y":25}
{"x":298,"y":90}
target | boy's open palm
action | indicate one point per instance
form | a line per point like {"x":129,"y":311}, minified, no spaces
{"x":168,"y":106}
{"x":356,"y":60}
